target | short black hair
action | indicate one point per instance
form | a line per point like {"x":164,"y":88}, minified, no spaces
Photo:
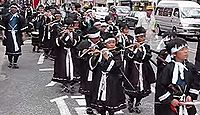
{"x":176,"y":42}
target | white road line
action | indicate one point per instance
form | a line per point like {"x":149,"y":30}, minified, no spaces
{"x":59,"y":98}
{"x":46,"y":69}
{"x":81,"y":110}
{"x":78,"y":97}
{"x":81,"y":102}
{"x":52,"y":83}
{"x":119,"y":112}
{"x":27,"y":42}
{"x":62,"y":106}
{"x":41,"y":59}
{"x":153,"y":87}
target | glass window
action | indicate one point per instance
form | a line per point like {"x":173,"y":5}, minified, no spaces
{"x":160,"y":11}
{"x":176,"y":12}
{"x":167,"y":12}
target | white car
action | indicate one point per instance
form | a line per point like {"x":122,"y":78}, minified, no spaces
{"x":100,"y":13}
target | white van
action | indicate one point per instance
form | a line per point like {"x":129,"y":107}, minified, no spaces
{"x":182,"y":17}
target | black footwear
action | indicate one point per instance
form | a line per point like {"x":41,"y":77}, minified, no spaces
{"x":33,"y":49}
{"x":89,"y":111}
{"x":130,"y":106}
{"x":137,"y":110}
{"x":15,"y":66}
{"x":10,"y":65}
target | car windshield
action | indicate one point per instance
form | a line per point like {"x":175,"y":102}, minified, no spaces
{"x":190,"y":12}
{"x":123,"y":10}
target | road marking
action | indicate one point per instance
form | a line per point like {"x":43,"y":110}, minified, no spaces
{"x":62,"y":106}
{"x":81,"y":102}
{"x":81,"y":110}
{"x":119,"y":112}
{"x":62,"y":97}
{"x":27,"y":42}
{"x":78,"y":97}
{"x":52,"y":83}
{"x":46,"y":69}
{"x":41,"y":59}
{"x":153,"y":88}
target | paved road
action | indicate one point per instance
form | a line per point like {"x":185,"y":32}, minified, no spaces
{"x":25,"y":91}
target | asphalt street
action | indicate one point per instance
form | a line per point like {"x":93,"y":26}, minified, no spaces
{"x":26,"y":91}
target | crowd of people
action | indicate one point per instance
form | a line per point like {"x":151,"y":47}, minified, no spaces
{"x":108,"y":62}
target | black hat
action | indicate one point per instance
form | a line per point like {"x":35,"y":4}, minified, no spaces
{"x":68,"y":21}
{"x":93,"y":32}
{"x":122,"y":25}
{"x":175,"y":45}
{"x":57,"y":13}
{"x":107,"y":18}
{"x":109,"y":37}
{"x":139,"y":31}
{"x":40,"y":6}
{"x":77,"y":5}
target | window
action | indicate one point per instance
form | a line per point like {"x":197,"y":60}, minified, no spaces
{"x":176,"y":12}
{"x":159,"y":11}
{"x":167,"y":12}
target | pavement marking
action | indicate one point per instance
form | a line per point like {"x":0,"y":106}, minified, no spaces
{"x":46,"y":69}
{"x":119,"y":112}
{"x":153,"y":88}
{"x":27,"y":42}
{"x":78,"y":97}
{"x":41,"y":59}
{"x":81,"y":102}
{"x":62,"y":106}
{"x":52,"y":83}
{"x":59,"y":98}
{"x":81,"y":110}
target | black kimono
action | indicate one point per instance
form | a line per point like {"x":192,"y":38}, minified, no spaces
{"x":86,"y":75}
{"x":14,"y":25}
{"x":107,"y":91}
{"x":139,"y":72}
{"x":84,"y":62}
{"x":166,"y":89}
{"x":39,"y":24}
{"x":61,"y":44}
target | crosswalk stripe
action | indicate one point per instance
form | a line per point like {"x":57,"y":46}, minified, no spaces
{"x":81,"y":110}
{"x":78,"y":97}
{"x":119,"y":112}
{"x":41,"y":59}
{"x":81,"y":102}
{"x":62,"y":106}
{"x":153,"y":88}
{"x":27,"y":42}
{"x":46,"y":69}
{"x":52,"y":83}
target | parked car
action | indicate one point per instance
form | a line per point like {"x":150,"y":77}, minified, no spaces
{"x":132,"y":18}
{"x":180,"y":17}
{"x":122,"y":12}
{"x":100,"y":13}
